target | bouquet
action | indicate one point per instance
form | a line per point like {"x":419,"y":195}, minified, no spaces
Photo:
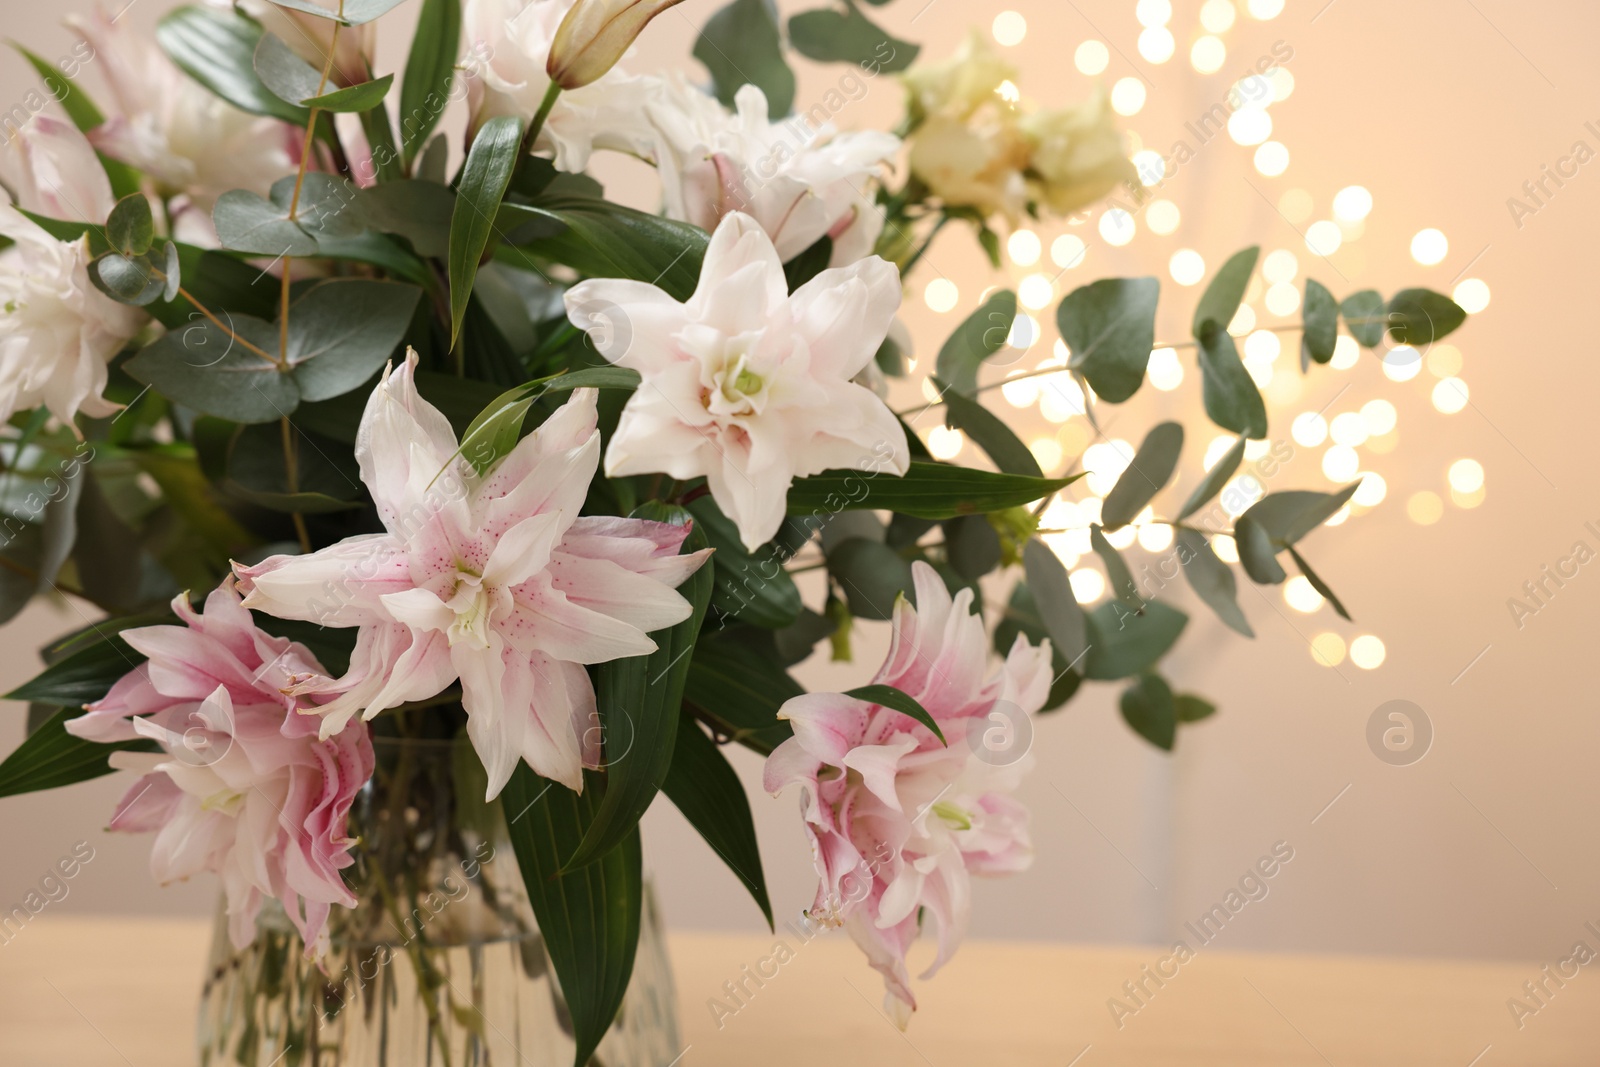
{"x":355,"y":428}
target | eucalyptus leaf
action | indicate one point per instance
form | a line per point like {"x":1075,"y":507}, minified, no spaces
{"x":980,"y":335}
{"x":972,"y":545}
{"x":135,"y":281}
{"x":741,"y":44}
{"x":1191,"y":708}
{"x":1215,"y":479}
{"x":1118,"y":577}
{"x":348,"y":12}
{"x":1109,"y":327}
{"x":1319,"y":585}
{"x":988,"y":432}
{"x":1365,"y":316}
{"x":1257,"y":554}
{"x":1231,"y":398}
{"x":1212,"y":580}
{"x":1220,"y":301}
{"x":129,"y":227}
{"x":216,"y":371}
{"x":1123,"y":642}
{"x":342,"y":331}
{"x":1145,"y":476}
{"x":418,"y":210}
{"x":363,"y":96}
{"x":872,"y":575}
{"x":1290,"y":515}
{"x":1147,"y":706}
{"x":829,"y":35}
{"x":1419,"y":317}
{"x":1063,"y":619}
{"x":283,"y":72}
{"x":1319,"y":315}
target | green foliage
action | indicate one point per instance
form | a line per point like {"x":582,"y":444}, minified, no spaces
{"x":1212,"y":580}
{"x":484,"y":178}
{"x":1364,"y":316}
{"x":1123,"y":642}
{"x":430,"y":73}
{"x":1058,"y":611}
{"x":752,"y":587}
{"x":1109,"y":326}
{"x":50,"y":757}
{"x":871,"y":574}
{"x":988,"y":432}
{"x":1146,"y":476}
{"x":1420,"y":317}
{"x":927,"y":491}
{"x":1221,"y":299}
{"x":1231,"y":398}
{"x":740,"y":45}
{"x":1319,"y":315}
{"x":588,"y":918}
{"x":1148,"y":707}
{"x":216,"y":47}
{"x":831,"y":35}
{"x":981,"y":335}
{"x":705,"y":788}
{"x":888,"y":696}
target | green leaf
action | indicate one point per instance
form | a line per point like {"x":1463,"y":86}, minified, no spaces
{"x":752,"y":587}
{"x":1123,"y":643}
{"x":972,"y":545}
{"x":1118,"y":577}
{"x":1320,"y":317}
{"x":638,"y":701}
{"x":328,"y":207}
{"x":89,"y":672}
{"x":1364,"y":316}
{"x":703,"y":785}
{"x":1319,"y":585}
{"x":1231,"y":398}
{"x":889,"y":697}
{"x":1420,"y":317}
{"x":283,"y":72}
{"x":1191,"y":708}
{"x":588,"y":918}
{"x":1214,"y":480}
{"x":1257,"y":554}
{"x":61,"y":86}
{"x":211,"y":370}
{"x":1059,"y":612}
{"x":343,"y":330}
{"x":1021,"y":617}
{"x":871,"y":574}
{"x":1288,"y":516}
{"x":418,"y":210}
{"x":604,"y":240}
{"x":833,"y":36}
{"x":137,"y":281}
{"x":1221,"y":298}
{"x":988,"y":432}
{"x":740,"y":44}
{"x":386,"y":162}
{"x":430,"y":73}
{"x":1212,"y":580}
{"x":348,"y":12}
{"x":50,"y":757}
{"x":1110,"y":327}
{"x":809,"y":263}
{"x":738,"y":693}
{"x":173,"y":269}
{"x":129,"y":228}
{"x":216,"y":47}
{"x":355,"y":98}
{"x":1148,"y":707}
{"x":925,"y":491}
{"x":980,"y":336}
{"x":484,"y":177}
{"x":1146,"y":476}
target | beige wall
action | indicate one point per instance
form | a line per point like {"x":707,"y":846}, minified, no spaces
{"x":1442,"y":114}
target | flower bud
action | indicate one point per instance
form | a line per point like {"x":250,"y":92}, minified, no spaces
{"x":594,"y":35}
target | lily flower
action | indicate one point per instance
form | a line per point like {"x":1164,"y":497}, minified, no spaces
{"x":898,"y":820}
{"x":492,"y":580}
{"x":746,"y":384}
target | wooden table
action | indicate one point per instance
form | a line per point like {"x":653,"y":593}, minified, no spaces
{"x":87,"y":992}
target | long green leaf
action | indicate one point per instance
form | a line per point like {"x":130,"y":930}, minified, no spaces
{"x":925,"y":491}
{"x":1212,"y":580}
{"x":738,"y":693}
{"x":703,"y":785}
{"x":50,"y":757}
{"x":604,"y":240}
{"x":589,"y":918}
{"x":88,"y":673}
{"x":1231,"y":398}
{"x":1059,"y":612}
{"x":430,"y":72}
{"x":1318,"y":584}
{"x":216,"y":47}
{"x":889,"y":697}
{"x":484,"y":177}
{"x":752,"y":587}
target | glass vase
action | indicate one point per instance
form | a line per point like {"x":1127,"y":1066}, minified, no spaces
{"x":440,"y":962}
